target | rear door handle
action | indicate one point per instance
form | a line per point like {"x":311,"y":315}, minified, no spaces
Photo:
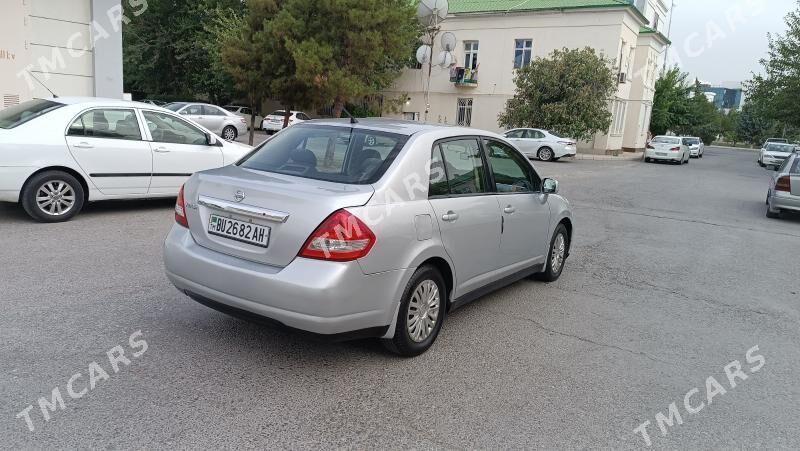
{"x":510,"y":210}
{"x":83,"y":145}
{"x":450,"y":216}
{"x":161,"y":150}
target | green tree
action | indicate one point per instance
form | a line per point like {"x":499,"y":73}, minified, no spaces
{"x":775,"y":92}
{"x":671,"y":105}
{"x":568,"y":92}
{"x":245,"y":52}
{"x":701,"y":118}
{"x":345,"y":49}
{"x":170,"y":52}
{"x":754,"y":127}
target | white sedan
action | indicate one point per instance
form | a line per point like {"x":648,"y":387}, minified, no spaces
{"x":274,"y":122}
{"x":56,"y":155}
{"x":542,"y":144}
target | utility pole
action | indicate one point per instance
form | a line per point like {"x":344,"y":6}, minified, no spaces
{"x":669,"y":36}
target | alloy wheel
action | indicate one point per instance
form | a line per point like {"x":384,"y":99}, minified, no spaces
{"x":545,"y":154}
{"x":559,"y":252}
{"x":423,"y":311}
{"x":55,"y":198}
{"x":229,"y":134}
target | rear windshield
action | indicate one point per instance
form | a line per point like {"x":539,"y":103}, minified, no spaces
{"x":775,"y":147}
{"x":175,"y":106}
{"x":278,"y":113}
{"x":666,"y":140}
{"x":17,"y":115}
{"x":330,"y":153}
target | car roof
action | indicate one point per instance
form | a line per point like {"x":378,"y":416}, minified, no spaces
{"x":99,"y":101}
{"x":399,"y":126}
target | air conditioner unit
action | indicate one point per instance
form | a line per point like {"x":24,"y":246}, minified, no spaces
{"x":623,"y":77}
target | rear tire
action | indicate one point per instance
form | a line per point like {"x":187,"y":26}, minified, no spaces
{"x":230,"y":133}
{"x":647,"y":160}
{"x":52,"y":196}
{"x":545,"y":154}
{"x":421,"y":314}
{"x":557,"y":255}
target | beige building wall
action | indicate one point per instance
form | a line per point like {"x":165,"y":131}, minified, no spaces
{"x":54,"y":41}
{"x":614,"y":33}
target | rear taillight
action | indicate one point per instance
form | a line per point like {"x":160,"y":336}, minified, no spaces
{"x":675,"y":149}
{"x":180,"y":210}
{"x":342,"y":237}
{"x":650,"y":146}
{"x":784,"y":184}
{"x":566,"y":143}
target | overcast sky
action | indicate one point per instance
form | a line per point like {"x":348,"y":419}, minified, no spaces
{"x":721,"y":41}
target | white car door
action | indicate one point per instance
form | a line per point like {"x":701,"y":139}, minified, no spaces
{"x":520,"y":139}
{"x":108,"y":145}
{"x":214,"y":118}
{"x":179,"y":150}
{"x":195,"y":113}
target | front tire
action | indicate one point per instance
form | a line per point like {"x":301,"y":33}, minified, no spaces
{"x":557,"y":257}
{"x":230,"y":133}
{"x":545,"y":154}
{"x":52,"y":196}
{"x":421,"y":313}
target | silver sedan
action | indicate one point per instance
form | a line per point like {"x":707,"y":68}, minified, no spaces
{"x":376,"y":228}
{"x":220,"y":121}
{"x":784,"y":188}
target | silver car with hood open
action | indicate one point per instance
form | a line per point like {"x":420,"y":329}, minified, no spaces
{"x":376,"y":228}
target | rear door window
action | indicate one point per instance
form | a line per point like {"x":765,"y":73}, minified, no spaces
{"x":330,"y":153}
{"x":107,"y":123}
{"x":464,"y":167}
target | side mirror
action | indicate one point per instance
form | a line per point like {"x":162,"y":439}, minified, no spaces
{"x":550,"y":186}
{"x":211,"y":140}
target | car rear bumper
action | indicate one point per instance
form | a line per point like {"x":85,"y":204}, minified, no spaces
{"x":566,"y":152}
{"x":316,"y":296}
{"x":666,"y":156}
{"x":272,"y":127}
{"x":784,"y":201}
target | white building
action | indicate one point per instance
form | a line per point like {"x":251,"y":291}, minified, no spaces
{"x":497,"y":36}
{"x":74,"y":47}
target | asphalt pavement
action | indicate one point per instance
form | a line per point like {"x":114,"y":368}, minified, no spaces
{"x":675,"y":274}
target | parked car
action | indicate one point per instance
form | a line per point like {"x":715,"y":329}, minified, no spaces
{"x":56,"y":155}
{"x":784,"y":188}
{"x":348,"y":245}
{"x":224,"y":123}
{"x":154,"y":102}
{"x":775,"y":140}
{"x":245,"y":113}
{"x":667,"y":148}
{"x":773,"y":154}
{"x":542,"y":144}
{"x":274,"y":122}
{"x":696,"y":146}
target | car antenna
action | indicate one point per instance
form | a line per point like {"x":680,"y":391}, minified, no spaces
{"x":55,"y":96}
{"x":353,"y":120}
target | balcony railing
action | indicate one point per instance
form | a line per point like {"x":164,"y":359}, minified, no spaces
{"x":462,"y":76}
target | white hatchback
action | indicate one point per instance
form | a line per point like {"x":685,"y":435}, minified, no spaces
{"x":56,"y":155}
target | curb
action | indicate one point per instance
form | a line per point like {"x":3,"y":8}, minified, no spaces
{"x":627,"y":156}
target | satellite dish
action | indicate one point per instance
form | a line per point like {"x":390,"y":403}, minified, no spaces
{"x":431,"y":12}
{"x":424,"y":54}
{"x":446,"y":59}
{"x":449,"y":41}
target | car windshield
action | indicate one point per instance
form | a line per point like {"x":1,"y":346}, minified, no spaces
{"x":691,"y":141}
{"x":175,"y":106}
{"x":329,"y":153}
{"x":666,"y":140}
{"x":777,"y":147}
{"x":278,"y":113}
{"x":17,"y":115}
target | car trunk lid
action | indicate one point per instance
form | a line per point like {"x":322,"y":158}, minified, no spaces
{"x":290,"y":207}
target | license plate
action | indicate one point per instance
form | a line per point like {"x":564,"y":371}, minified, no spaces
{"x":661,"y":154}
{"x":241,"y":231}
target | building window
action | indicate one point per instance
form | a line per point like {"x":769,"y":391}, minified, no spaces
{"x":523,"y":51}
{"x":464,"y":113}
{"x":471,"y":54}
{"x":411,"y":116}
{"x":618,"y":111}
